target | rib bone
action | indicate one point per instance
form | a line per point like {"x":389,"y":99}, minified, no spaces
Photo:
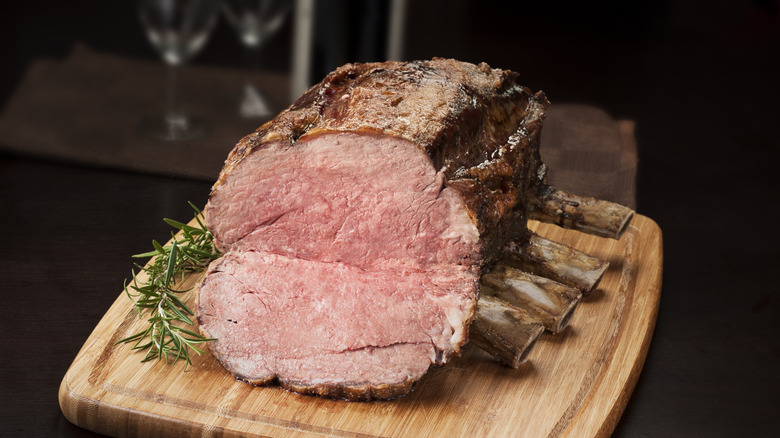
{"x":589,"y":215}
{"x":550,"y":302}
{"x":555,"y":261}
{"x":536,"y":284}
{"x":504,"y":331}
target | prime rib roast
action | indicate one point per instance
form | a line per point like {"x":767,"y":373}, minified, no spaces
{"x":378,"y":224}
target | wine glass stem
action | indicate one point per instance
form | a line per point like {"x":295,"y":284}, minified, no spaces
{"x":174,"y":113}
{"x":252,"y":54}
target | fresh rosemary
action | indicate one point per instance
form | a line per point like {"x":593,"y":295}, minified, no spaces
{"x":165,"y":338}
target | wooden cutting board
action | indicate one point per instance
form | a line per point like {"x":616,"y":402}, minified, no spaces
{"x":575,"y":383}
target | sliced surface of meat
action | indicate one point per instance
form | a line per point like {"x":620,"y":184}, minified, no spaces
{"x":330,"y":327}
{"x":358,"y":199}
{"x":355,"y":225}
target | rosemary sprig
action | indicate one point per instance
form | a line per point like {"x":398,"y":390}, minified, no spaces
{"x":165,"y":338}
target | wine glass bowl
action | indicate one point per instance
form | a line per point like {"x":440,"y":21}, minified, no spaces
{"x":177,"y":29}
{"x":254,"y":22}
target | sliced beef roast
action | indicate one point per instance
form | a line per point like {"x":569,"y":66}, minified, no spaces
{"x":356,"y":224}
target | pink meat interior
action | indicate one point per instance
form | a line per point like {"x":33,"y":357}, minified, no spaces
{"x":348,"y":262}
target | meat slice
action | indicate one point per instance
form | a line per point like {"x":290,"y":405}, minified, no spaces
{"x":331,"y":328}
{"x":359,"y":199}
{"x":356,"y":224}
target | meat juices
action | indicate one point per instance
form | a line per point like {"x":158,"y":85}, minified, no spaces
{"x":356,"y":224}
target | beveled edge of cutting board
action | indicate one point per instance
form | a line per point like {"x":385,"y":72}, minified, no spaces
{"x":647,"y":303}
{"x":97,"y":415}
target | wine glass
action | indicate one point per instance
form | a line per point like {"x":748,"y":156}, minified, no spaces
{"x":255,"y":21}
{"x":178,"y":29}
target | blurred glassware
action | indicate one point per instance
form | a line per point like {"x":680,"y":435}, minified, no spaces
{"x":178,"y":29}
{"x":255,"y":21}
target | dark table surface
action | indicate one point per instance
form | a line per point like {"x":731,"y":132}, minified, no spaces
{"x":706,"y":113}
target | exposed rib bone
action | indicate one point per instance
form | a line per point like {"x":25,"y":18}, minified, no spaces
{"x":537,"y":283}
{"x":504,"y":331}
{"x":531,"y":271}
{"x":555,"y":261}
{"x":550,"y":302}
{"x":589,"y":215}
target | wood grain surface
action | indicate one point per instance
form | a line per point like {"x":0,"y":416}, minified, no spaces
{"x":575,"y":383}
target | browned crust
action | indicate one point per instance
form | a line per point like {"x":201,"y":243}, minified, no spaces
{"x":352,"y":392}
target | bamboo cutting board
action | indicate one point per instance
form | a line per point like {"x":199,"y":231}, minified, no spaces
{"x":574,"y":384}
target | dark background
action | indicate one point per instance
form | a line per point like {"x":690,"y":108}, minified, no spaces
{"x":700,"y":78}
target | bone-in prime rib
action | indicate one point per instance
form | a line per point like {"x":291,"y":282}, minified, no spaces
{"x":357,"y":224}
